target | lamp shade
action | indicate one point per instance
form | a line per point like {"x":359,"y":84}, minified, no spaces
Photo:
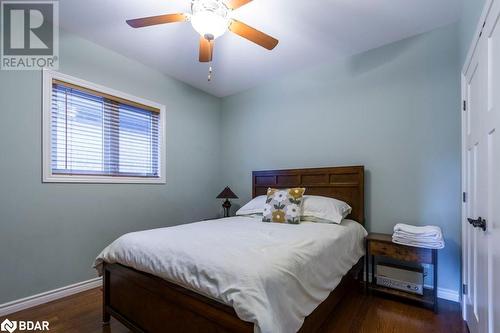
{"x":227,"y":194}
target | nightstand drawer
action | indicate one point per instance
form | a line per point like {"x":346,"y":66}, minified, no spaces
{"x":401,"y":252}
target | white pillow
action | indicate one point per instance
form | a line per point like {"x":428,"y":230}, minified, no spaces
{"x":315,"y":208}
{"x":254,"y":206}
{"x":324,"y":210}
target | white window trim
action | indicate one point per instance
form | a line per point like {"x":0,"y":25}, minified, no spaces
{"x":48,"y":177}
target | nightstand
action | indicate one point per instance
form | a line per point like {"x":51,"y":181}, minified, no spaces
{"x":382,"y":245}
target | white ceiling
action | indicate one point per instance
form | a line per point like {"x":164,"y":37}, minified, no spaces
{"x":310,"y":32}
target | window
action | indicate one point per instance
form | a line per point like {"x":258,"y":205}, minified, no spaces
{"x":95,"y":134}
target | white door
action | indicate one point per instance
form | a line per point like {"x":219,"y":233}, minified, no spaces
{"x":481,"y":164}
{"x":475,"y":92}
{"x":492,"y":132}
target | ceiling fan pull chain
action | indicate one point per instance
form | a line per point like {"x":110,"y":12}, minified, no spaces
{"x":209,"y":73}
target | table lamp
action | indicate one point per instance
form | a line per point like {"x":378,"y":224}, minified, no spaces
{"x":227,"y":194}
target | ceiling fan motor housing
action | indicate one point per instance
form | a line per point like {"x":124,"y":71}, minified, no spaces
{"x":210,"y":18}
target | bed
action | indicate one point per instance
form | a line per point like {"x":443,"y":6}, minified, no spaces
{"x":153,"y":291}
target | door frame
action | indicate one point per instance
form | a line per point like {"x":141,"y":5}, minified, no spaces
{"x":463,"y":148}
{"x":464,"y":99}
{"x":473,"y":44}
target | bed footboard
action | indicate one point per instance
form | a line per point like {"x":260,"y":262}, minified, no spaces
{"x":146,"y":303}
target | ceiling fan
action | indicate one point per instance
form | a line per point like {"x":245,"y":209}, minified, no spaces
{"x":211,"y":19}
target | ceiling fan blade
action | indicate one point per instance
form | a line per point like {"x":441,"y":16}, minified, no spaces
{"x":154,"y":20}
{"x":253,"y":35}
{"x":234,"y":4}
{"x":206,"y":49}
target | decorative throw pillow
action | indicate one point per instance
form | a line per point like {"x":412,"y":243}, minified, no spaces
{"x":283,"y":205}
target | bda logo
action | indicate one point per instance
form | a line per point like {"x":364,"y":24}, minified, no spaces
{"x":24,"y":325}
{"x":8,"y":326}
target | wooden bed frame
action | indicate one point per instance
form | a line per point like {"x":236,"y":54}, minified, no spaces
{"x":145,"y":303}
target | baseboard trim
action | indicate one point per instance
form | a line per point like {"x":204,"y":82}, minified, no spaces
{"x":449,"y":294}
{"x":48,"y":296}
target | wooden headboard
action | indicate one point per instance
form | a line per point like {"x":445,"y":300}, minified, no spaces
{"x":343,"y":183}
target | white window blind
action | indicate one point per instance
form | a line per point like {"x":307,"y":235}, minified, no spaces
{"x":96,"y":134}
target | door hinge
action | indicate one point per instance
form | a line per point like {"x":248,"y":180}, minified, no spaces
{"x":465,"y":106}
{"x":464,"y":196}
{"x":464,"y":289}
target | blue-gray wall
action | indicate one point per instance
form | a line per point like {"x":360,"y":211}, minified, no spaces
{"x":50,"y":233}
{"x":395,"y":110}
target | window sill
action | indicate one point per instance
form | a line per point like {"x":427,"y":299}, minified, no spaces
{"x":101,"y":179}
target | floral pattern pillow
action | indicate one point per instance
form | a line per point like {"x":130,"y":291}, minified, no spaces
{"x":283,"y":205}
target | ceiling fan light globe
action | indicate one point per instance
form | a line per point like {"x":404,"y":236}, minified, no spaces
{"x":209,"y":23}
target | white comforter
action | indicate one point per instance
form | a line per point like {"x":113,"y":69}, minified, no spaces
{"x":272,"y":274}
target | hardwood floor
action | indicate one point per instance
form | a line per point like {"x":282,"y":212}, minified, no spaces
{"x":357,"y":313}
{"x":366,"y":314}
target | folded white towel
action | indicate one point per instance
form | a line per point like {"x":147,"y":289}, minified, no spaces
{"x":428,"y":231}
{"x":423,"y":238}
{"x":428,"y":236}
{"x":428,"y":245}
